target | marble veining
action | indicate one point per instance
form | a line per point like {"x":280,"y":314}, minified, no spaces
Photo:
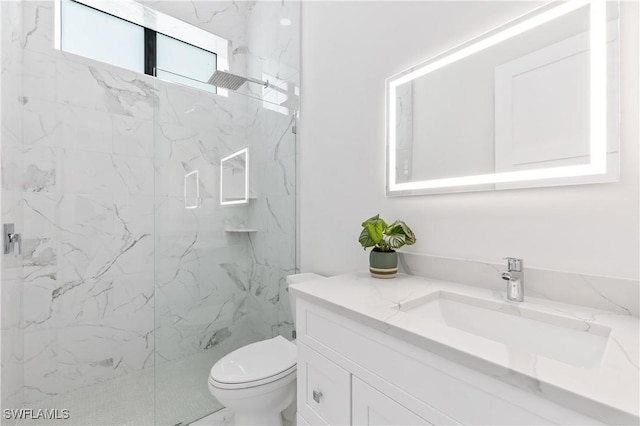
{"x":608,"y":391}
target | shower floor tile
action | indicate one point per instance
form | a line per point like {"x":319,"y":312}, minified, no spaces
{"x":223,"y":417}
{"x":181,"y":396}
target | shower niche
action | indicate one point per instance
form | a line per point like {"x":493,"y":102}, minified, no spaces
{"x":234,"y":178}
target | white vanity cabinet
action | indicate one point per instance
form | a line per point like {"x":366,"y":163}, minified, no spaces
{"x":330,"y":395}
{"x":324,"y":389}
{"x":349,"y":372}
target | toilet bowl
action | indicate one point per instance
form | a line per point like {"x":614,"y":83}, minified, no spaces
{"x":258,"y":381}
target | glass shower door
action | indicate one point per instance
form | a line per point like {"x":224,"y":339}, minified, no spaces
{"x":220,"y":269}
{"x":200,"y":269}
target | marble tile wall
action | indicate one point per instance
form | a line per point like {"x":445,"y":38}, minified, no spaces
{"x":88,"y":199}
{"x":87,"y":203}
{"x":11,"y":336}
{"x":225,"y":18}
{"x":118,"y":275}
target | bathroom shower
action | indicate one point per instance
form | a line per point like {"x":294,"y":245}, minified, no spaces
{"x":122,"y":298}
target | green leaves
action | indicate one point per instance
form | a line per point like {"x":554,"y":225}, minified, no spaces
{"x":385,"y":237}
{"x":373,"y":231}
{"x":366,"y":240}
{"x":398,"y":234}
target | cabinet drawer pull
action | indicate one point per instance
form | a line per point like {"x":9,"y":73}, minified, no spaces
{"x":316,"y":396}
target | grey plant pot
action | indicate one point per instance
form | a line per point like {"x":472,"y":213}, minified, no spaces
{"x":383,"y":264}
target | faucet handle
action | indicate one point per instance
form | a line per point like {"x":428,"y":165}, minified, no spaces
{"x":514,"y":264}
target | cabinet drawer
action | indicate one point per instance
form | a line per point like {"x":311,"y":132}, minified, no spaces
{"x":324,"y":389}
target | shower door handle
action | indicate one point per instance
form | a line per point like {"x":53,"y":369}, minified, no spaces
{"x":12,"y":241}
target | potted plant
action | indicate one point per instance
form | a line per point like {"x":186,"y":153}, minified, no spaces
{"x":385,"y":239}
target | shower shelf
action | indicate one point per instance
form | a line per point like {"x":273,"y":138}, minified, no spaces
{"x":240,"y":230}
{"x":249,"y":198}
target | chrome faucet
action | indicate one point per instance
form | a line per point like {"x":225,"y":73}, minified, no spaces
{"x":515,"y":276}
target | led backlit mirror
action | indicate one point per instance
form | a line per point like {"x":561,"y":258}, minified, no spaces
{"x":532,"y":103}
{"x":234,"y":178}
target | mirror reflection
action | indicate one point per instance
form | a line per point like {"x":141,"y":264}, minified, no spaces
{"x":533,"y":103}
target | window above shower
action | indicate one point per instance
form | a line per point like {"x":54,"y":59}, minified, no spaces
{"x":130,"y":35}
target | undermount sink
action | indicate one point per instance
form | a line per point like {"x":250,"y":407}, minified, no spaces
{"x":561,"y":338}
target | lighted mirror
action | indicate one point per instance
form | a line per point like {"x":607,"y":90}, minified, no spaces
{"x":531,"y":103}
{"x":234,"y":178}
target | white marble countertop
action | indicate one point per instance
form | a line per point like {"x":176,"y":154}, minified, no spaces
{"x":608,"y":391}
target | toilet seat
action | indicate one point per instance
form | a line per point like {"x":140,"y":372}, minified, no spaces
{"x":251,"y":384}
{"x":255,"y":364}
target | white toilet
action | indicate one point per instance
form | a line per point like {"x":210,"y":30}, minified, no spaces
{"x":258,"y":381}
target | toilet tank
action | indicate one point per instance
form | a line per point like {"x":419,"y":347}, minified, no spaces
{"x":299,"y":278}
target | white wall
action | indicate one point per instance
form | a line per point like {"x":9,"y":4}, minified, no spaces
{"x":348,"y":49}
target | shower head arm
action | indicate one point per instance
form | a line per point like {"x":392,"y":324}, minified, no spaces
{"x":268,"y":85}
{"x":260,"y":82}
{"x":279,"y":89}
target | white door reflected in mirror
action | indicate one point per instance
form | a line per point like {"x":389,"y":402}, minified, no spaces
{"x":234,"y":178}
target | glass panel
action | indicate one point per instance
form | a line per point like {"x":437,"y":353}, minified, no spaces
{"x":203,"y":310}
{"x":219,"y":288}
{"x":177,"y":60}
{"x":12,"y":153}
{"x":81,"y":196}
{"x":93,"y":34}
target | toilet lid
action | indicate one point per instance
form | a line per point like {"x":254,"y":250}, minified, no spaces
{"x":267,"y":359}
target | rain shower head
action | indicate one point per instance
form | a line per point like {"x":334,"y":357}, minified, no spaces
{"x":226,"y":80}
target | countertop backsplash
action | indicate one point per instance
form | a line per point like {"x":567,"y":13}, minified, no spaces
{"x":607,"y":293}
